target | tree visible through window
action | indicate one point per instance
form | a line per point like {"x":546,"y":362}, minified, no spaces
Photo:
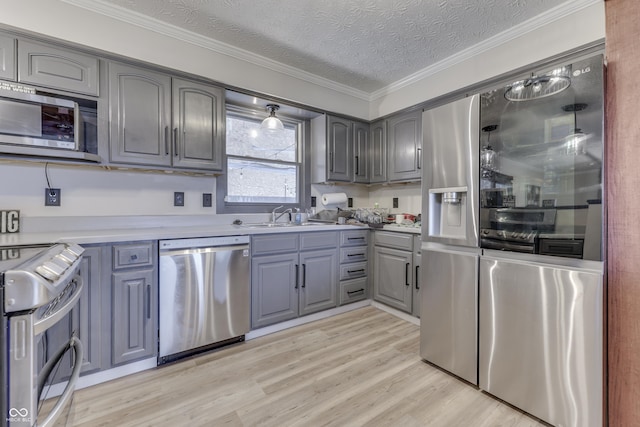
{"x":261,"y":167}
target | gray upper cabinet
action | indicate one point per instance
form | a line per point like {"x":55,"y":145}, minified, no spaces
{"x":57,"y":68}
{"x":197,"y":125}
{"x":340,"y":149}
{"x":360,"y":152}
{"x":142,"y":129}
{"x":7,"y":58}
{"x":140,"y":107}
{"x":405,"y":146}
{"x":378,"y":152}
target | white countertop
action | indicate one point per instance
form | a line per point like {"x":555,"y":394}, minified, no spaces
{"x":93,"y":230}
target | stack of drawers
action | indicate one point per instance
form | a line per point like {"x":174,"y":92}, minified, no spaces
{"x":354,"y":249}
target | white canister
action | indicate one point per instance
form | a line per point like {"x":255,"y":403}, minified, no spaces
{"x":399,"y":218}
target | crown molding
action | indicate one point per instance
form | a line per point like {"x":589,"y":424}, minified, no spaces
{"x":512,"y":33}
{"x":134,"y":18}
{"x":152,"y":24}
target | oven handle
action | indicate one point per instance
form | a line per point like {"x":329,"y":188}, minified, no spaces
{"x":43,"y":324}
{"x":66,"y":395}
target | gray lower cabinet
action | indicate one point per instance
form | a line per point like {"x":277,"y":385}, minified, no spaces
{"x":354,"y":266}
{"x":57,"y":68}
{"x":8,"y":69}
{"x":274,"y":292}
{"x":393,"y":270}
{"x":292,"y":274}
{"x":404,"y":134}
{"x":134,"y":302}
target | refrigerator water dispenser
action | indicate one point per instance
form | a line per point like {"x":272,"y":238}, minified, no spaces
{"x":448,"y":213}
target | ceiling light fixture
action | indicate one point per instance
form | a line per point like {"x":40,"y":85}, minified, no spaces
{"x":272,"y":124}
{"x":576,"y":142}
{"x":539,"y":86}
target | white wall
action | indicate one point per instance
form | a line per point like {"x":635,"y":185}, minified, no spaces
{"x":579,"y":28}
{"x":100,"y":192}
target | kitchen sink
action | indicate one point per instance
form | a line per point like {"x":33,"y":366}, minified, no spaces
{"x":280,"y":224}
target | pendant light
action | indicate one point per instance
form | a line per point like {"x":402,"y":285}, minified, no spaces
{"x":488,"y":156}
{"x":576,"y":142}
{"x":272,"y":124}
{"x":539,"y":86}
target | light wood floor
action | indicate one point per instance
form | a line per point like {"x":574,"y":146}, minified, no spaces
{"x":360,"y":368}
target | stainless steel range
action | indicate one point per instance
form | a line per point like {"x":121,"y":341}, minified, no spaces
{"x":38,"y":287}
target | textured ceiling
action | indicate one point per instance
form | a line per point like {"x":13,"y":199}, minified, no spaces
{"x":364,"y":44}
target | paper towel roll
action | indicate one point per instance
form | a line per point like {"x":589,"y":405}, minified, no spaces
{"x":334,"y":198}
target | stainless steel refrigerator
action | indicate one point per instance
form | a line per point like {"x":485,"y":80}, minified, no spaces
{"x":450,"y":252}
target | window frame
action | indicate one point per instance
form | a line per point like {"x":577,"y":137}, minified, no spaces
{"x":302,"y":127}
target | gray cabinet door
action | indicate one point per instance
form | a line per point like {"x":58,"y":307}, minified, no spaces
{"x":197,"y":125}
{"x":274,"y":289}
{"x":360,"y":152}
{"x":133,"y":325}
{"x":7,"y":58}
{"x":57,"y":68}
{"x":339,"y":149}
{"x":378,"y":152}
{"x":405,"y":146}
{"x":393,"y":277}
{"x":318,"y":280}
{"x":140,"y":107}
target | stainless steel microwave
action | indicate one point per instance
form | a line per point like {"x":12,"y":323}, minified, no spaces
{"x":27,"y":118}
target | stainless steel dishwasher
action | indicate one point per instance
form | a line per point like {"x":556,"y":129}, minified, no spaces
{"x":205,"y":296}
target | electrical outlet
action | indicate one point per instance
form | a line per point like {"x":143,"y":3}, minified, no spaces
{"x":313,"y":201}
{"x":178,"y":198}
{"x":395,"y":202}
{"x":350,"y":202}
{"x":207,"y":201}
{"x":52,"y":196}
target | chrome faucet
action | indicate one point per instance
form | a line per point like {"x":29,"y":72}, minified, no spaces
{"x":276,"y":215}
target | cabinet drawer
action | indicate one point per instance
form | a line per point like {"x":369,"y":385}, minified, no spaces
{"x":132,"y":255}
{"x":318,"y":240}
{"x":353,"y":290}
{"x":356,"y":253}
{"x":354,"y":237}
{"x":351,"y":271}
{"x":274,"y":243}
{"x":391,"y":239}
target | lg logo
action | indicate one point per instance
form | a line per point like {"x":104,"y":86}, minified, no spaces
{"x":576,"y":73}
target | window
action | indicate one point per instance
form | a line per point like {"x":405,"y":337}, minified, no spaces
{"x":262,"y":169}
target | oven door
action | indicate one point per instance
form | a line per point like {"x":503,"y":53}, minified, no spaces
{"x":34,"y":359}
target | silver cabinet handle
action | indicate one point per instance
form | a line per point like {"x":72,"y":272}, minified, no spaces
{"x":175,"y":141}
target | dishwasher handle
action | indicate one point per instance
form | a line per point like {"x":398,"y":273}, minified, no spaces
{"x":189,"y":251}
{"x":203,"y":242}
